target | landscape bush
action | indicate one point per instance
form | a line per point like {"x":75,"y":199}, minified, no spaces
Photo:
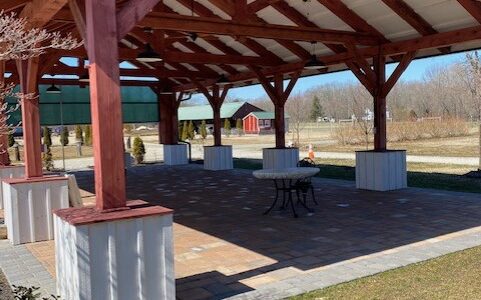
{"x":352,"y":134}
{"x":138,"y":150}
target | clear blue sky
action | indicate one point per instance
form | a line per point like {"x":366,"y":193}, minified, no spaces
{"x":414,"y":72}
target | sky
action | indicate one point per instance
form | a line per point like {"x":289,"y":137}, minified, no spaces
{"x":414,"y":72}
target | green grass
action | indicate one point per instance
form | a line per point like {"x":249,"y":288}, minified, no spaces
{"x":419,"y":175}
{"x":453,"y":276}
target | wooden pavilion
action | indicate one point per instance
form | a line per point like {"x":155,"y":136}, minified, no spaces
{"x":210,"y":46}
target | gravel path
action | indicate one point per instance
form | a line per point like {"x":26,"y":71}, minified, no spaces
{"x":254,"y":151}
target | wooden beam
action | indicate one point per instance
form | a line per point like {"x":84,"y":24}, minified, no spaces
{"x":40,"y":12}
{"x":78,"y":14}
{"x":351,"y":18}
{"x":282,"y":32}
{"x":473,"y":7}
{"x":411,"y":17}
{"x":131,"y":14}
{"x":106,"y":106}
{"x":257,"y":5}
{"x":401,"y":67}
{"x":380,"y":121}
{"x":28,"y":76}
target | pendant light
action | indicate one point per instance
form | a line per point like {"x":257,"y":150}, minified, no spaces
{"x":149,"y":55}
{"x":53,"y":89}
{"x":313,"y":63}
{"x":223,"y":81}
{"x":85,"y":78}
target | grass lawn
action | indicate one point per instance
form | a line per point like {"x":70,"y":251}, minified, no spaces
{"x":453,"y":276}
{"x":422,"y":175}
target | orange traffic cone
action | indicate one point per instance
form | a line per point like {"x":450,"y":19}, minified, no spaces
{"x":311,"y":152}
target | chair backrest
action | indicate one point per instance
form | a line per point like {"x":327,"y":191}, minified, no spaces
{"x":306,"y":162}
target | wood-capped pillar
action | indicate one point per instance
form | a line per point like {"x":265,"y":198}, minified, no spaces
{"x":280,"y":126}
{"x":380,"y":120}
{"x":28,"y":75}
{"x":106,"y":107}
{"x":168,"y":124}
{"x":4,"y":158}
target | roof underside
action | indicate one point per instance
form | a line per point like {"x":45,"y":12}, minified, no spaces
{"x":393,"y":24}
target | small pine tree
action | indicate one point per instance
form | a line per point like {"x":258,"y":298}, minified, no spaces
{"x":64,"y":136}
{"x":138,"y":150}
{"x":191,"y":131}
{"x":47,"y":137}
{"x":185,"y":131}
{"x":11,"y":140}
{"x":203,"y":130}
{"x":227,"y":127}
{"x":79,"y":134}
{"x":47,"y":159}
{"x":238,"y":126}
{"x":316,"y":110}
{"x":88,"y":135}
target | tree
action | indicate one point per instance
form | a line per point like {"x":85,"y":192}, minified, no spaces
{"x":79,"y":134}
{"x":203,"y":130}
{"x":11,"y":140}
{"x":88,"y":135}
{"x":473,"y":63}
{"x":227,"y":127}
{"x":138,"y":150}
{"x":47,"y":137}
{"x":298,"y":107}
{"x":191,"y":131}
{"x":316,"y":110}
{"x":185,"y":131}
{"x":21,"y":42}
{"x":64,"y":136}
{"x":238,"y":126}
{"x":47,"y":159}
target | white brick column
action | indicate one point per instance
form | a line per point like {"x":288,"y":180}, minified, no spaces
{"x":175,"y":154}
{"x":218,"y":158}
{"x":381,"y":171}
{"x":273,"y":158}
{"x":122,"y":254}
{"x":9,"y":172}
{"x":29,"y":204}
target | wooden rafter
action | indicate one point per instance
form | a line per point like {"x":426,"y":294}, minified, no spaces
{"x":403,"y":10}
{"x":473,"y":7}
{"x":131,"y":14}
{"x":222,"y":27}
{"x":40,"y":12}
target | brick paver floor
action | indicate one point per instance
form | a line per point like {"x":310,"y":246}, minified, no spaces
{"x":225,"y":247}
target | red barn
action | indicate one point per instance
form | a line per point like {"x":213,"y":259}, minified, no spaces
{"x":261,"y":122}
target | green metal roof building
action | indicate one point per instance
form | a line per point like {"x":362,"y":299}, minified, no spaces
{"x":231,"y":110}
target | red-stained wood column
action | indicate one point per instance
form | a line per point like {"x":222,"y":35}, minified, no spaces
{"x":216,"y":104}
{"x":278,"y":96}
{"x":4,"y":157}
{"x":105,"y":104}
{"x":28,"y":75}
{"x":168,"y":125}
{"x":380,"y":121}
{"x":216,"y":99}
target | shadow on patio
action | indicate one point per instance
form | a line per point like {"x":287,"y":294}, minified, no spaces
{"x":225,"y":246}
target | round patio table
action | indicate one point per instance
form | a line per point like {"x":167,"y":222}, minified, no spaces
{"x":285,"y":180}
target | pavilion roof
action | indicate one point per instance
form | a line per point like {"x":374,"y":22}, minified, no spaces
{"x":206,"y":38}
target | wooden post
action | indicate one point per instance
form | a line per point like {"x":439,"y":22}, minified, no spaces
{"x":107,"y":125}
{"x":168,"y":125}
{"x":4,"y":157}
{"x":28,"y":75}
{"x":278,"y":96}
{"x":216,"y":105}
{"x":215,"y":100}
{"x":380,"y":122}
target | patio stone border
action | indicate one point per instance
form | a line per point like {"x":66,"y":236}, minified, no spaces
{"x":367,"y":265}
{"x":23,"y":269}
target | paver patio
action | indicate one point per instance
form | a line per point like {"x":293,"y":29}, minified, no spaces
{"x":225,"y":247}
